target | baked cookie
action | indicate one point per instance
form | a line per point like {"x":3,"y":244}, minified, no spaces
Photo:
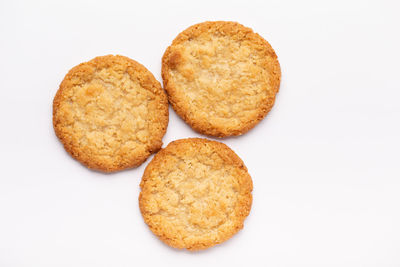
{"x":195,"y":193}
{"x":110,"y":113}
{"x":221,"y":77}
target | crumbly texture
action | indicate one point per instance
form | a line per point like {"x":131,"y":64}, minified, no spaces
{"x":221,"y":77}
{"x":110,"y":113}
{"x":196,"y":193}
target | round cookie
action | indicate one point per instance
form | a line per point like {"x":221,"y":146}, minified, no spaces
{"x":221,"y":77}
{"x":195,"y":193}
{"x":110,"y":113}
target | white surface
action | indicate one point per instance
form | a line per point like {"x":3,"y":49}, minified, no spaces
{"x":325,"y":162}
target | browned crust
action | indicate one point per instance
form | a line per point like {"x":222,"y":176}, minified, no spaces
{"x":236,"y":30}
{"x":83,"y":73}
{"x":179,"y":148}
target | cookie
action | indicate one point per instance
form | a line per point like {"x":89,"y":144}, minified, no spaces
{"x":221,"y":77}
{"x":195,"y":193}
{"x":110,"y":113}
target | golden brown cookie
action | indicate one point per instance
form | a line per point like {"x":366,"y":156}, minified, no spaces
{"x":110,"y":113}
{"x":221,"y":77}
{"x":196,"y":193}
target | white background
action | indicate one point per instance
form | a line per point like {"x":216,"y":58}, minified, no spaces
{"x":325,"y":161}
